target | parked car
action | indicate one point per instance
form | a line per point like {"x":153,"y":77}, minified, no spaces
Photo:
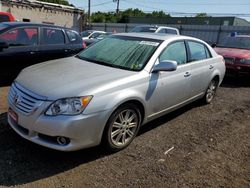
{"x":6,"y":17}
{"x":106,"y":92}
{"x":89,"y":34}
{"x":24,"y":44}
{"x":236,"y":52}
{"x":155,"y":29}
{"x":95,"y":39}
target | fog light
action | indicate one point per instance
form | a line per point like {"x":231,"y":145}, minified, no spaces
{"x":62,"y":140}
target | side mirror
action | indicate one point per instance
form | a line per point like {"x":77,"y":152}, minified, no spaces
{"x":3,"y":45}
{"x":213,"y":45}
{"x":165,"y":65}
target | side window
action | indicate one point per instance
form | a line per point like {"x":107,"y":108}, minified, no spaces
{"x":175,"y":52}
{"x":21,"y":37}
{"x":197,"y":51}
{"x":95,"y":35}
{"x":208,"y":54}
{"x":53,"y":36}
{"x":171,"y":31}
{"x":4,"y":18}
{"x":162,"y":31}
{"x":73,"y":36}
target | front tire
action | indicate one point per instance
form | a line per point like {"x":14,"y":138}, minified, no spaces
{"x":122,"y":127}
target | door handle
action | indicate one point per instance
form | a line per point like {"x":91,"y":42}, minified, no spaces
{"x":211,"y":67}
{"x":187,"y":74}
{"x":32,"y":53}
{"x":67,"y":50}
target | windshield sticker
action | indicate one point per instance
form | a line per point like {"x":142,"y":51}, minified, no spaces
{"x":149,"y":43}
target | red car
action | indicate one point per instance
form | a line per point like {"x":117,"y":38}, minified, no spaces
{"x":236,"y":52}
{"x":6,"y":17}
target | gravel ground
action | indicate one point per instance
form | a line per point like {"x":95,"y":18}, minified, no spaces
{"x":210,"y":148}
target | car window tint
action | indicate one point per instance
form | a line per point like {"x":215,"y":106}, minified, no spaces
{"x":197,"y":51}
{"x":95,"y":35}
{"x":168,"y":31}
{"x":208,"y":54}
{"x":73,"y":36}
{"x":175,"y":52}
{"x":21,"y":37}
{"x":162,"y":31}
{"x":4,"y":18}
{"x":53,"y":36}
{"x":171,"y":31}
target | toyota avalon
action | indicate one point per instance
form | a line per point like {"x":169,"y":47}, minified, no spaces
{"x":107,"y":92}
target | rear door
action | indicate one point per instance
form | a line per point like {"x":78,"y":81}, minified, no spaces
{"x":201,"y":64}
{"x":52,"y":44}
{"x":22,"y":51}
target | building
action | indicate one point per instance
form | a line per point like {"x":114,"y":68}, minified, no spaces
{"x":225,"y":21}
{"x":42,"y":12}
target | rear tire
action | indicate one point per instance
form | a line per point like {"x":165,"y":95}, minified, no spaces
{"x":210,"y":92}
{"x":121,"y":127}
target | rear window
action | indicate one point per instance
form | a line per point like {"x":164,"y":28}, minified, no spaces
{"x":4,"y":18}
{"x":86,"y":33}
{"x":144,"y":29}
{"x":168,"y":31}
{"x":73,"y":37}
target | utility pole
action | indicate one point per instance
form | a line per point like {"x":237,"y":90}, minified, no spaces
{"x":89,"y":16}
{"x":118,"y":4}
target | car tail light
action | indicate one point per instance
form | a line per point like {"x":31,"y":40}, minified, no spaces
{"x":84,"y":45}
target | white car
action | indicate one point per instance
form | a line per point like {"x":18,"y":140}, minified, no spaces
{"x":89,"y":34}
{"x":155,"y":29}
{"x":108,"y":91}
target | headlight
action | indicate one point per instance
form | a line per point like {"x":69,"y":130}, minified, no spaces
{"x":68,"y":106}
{"x":246,"y":61}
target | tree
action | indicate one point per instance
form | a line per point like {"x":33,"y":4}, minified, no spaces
{"x":159,"y":14}
{"x":201,"y":15}
{"x":123,"y":16}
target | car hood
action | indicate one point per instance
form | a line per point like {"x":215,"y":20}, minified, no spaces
{"x":233,"y":52}
{"x":70,"y":77}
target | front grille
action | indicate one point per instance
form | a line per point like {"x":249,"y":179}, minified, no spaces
{"x":24,"y":100}
{"x":229,"y":60}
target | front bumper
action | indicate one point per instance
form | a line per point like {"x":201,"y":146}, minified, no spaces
{"x":239,"y":69}
{"x":82,"y":130}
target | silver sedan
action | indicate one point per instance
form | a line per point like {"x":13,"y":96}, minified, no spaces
{"x":105,"y":93}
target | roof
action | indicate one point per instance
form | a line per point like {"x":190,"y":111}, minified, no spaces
{"x":5,"y":13}
{"x":156,"y":36}
{"x":14,"y":24}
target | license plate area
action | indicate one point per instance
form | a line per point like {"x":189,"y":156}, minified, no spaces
{"x":13,"y":115}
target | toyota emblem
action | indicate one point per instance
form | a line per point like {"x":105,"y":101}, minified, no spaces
{"x":17,"y":99}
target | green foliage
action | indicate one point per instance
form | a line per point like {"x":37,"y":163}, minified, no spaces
{"x":201,"y":15}
{"x":61,"y":2}
{"x":122,"y":17}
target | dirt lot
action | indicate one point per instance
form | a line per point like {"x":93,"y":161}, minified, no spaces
{"x":211,"y":149}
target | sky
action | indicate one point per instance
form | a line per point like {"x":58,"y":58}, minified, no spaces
{"x":239,"y":8}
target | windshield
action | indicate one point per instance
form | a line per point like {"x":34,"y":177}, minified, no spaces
{"x":86,"y":33}
{"x":144,"y":29}
{"x":236,"y":42}
{"x":130,"y":53}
